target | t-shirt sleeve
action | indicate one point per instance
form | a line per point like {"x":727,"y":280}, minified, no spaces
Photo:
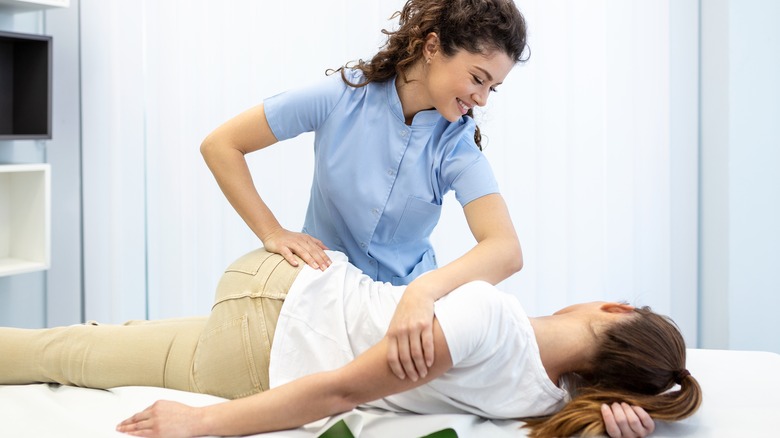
{"x":466,"y":316}
{"x":304,"y":109}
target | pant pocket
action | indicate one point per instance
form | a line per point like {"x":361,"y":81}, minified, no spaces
{"x":225,"y":364}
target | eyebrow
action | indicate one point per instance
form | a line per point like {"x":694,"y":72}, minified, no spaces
{"x":488,"y":76}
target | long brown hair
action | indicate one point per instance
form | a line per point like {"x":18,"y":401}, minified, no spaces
{"x":477,"y":26}
{"x":639,"y":361}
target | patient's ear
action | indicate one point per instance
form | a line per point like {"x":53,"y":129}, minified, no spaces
{"x":617,"y":308}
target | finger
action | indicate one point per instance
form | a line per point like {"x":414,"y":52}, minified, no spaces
{"x":416,"y":352}
{"x":317,"y":242}
{"x":137,"y":428}
{"x":427,"y":344}
{"x":325,"y":257}
{"x":617,"y":410}
{"x":302,"y":251}
{"x":620,"y":419}
{"x":647,"y":421}
{"x":139,"y":416}
{"x":139,"y":432}
{"x":632,"y":420}
{"x":405,"y":356}
{"x":610,"y":425}
{"x":289,"y":256}
{"x":309,"y":249}
{"x":392,"y":358}
{"x":318,"y":255}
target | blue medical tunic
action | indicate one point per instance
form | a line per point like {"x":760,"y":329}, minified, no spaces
{"x":378,"y":183}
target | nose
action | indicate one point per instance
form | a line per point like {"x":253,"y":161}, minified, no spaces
{"x":481,"y":96}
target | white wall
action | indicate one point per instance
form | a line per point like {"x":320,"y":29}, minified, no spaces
{"x":593,"y":142}
{"x":740,"y":184}
{"x":113,"y":147}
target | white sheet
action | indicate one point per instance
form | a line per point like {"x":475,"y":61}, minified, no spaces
{"x":740,"y":399}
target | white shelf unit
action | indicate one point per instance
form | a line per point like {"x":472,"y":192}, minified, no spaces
{"x":32,"y":5}
{"x":25,"y":218}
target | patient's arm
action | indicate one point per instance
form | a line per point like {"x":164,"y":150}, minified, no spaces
{"x":310,"y":398}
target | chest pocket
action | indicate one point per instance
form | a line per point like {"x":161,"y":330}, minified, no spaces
{"x":417,"y":221}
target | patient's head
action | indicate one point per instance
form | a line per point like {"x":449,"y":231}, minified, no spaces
{"x":642,"y":354}
{"x":639,"y":360}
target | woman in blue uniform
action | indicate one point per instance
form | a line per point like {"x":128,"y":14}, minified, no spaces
{"x":392,"y":136}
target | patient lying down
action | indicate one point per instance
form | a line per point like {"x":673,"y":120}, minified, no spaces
{"x":317,"y":339}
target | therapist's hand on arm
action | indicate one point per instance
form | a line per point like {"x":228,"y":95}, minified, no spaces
{"x":224,"y":150}
{"x":495,"y":257}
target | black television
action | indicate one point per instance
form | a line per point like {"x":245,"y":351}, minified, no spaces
{"x":25,"y":86}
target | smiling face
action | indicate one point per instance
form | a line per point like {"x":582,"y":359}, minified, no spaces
{"x":452,"y":84}
{"x":465,"y":80}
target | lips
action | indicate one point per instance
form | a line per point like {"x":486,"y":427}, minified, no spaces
{"x":464,"y":108}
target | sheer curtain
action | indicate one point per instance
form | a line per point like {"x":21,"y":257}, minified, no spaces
{"x":585,"y":139}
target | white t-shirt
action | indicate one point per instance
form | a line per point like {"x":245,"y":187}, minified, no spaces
{"x":331,"y":317}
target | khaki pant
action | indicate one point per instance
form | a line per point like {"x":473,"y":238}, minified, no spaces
{"x":225,"y":354}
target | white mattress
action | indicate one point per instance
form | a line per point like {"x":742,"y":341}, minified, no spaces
{"x":740,"y":399}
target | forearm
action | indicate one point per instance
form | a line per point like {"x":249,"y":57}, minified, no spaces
{"x":224,"y":151}
{"x":495,"y":257}
{"x":497,"y":254}
{"x":293,"y":405}
{"x":492,"y":260}
{"x":232,"y":174}
{"x":317,"y":396}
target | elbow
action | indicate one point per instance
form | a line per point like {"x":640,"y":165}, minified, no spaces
{"x":347,"y":403}
{"x":338,"y":404}
{"x":207,"y":147}
{"x":216,"y":150}
{"x":344,"y":395}
{"x":506,"y":257}
{"x":516,"y":263}
{"x":514,"y":258}
{"x":350,"y":397}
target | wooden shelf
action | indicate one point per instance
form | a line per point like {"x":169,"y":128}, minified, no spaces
{"x":25,"y":218}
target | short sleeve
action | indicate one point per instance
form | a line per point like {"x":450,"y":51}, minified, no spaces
{"x":294,"y":112}
{"x":464,"y":168}
{"x":475,"y":181}
{"x":466,"y":316}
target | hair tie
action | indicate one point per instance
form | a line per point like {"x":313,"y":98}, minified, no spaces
{"x":680,"y":375}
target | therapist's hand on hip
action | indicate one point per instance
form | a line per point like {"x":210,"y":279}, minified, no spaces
{"x":289,"y":244}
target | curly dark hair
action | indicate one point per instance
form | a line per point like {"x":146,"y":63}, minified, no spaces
{"x":477,"y":26}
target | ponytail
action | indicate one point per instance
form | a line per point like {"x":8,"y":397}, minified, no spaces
{"x":582,"y":415}
{"x":637,"y":362}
